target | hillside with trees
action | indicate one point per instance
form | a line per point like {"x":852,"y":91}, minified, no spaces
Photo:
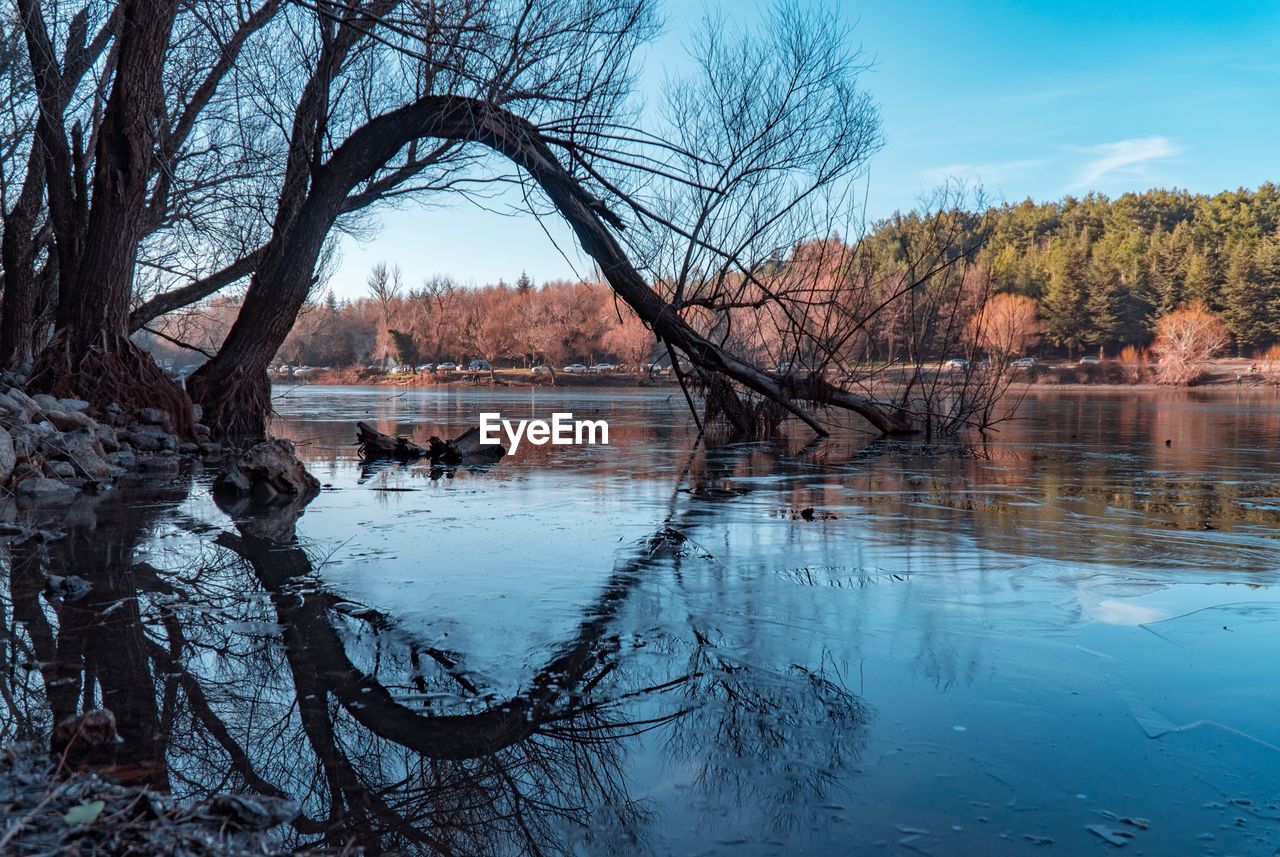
{"x":1070,"y":276}
{"x":1104,"y":271}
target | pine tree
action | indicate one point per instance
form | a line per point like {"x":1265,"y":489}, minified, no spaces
{"x":1067,"y":295}
{"x":1251,"y":294}
{"x":524,"y":284}
{"x":1165,"y":274}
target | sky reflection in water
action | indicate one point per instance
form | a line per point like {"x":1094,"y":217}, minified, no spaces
{"x":1061,"y":636}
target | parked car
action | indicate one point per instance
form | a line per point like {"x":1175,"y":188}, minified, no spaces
{"x":427,"y":367}
{"x":575,"y":368}
{"x":784,"y":368}
{"x":402,"y":369}
{"x":1090,"y":361}
{"x":1023,"y":363}
{"x":956,"y":363}
{"x":479,"y":366}
{"x":542,"y":369}
{"x":603,"y":367}
{"x":446,"y":367}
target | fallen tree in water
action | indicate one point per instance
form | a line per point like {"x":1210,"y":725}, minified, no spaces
{"x":464,"y":449}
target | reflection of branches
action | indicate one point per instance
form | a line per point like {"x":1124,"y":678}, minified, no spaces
{"x":777,"y":738}
{"x":229,"y":668}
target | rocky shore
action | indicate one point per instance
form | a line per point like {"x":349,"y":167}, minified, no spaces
{"x":53,"y":449}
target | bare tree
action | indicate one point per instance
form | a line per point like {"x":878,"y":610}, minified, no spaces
{"x":566,"y":63}
{"x":633,"y":342}
{"x":384,"y":288}
{"x":1007,"y":325}
{"x":1185,"y":339}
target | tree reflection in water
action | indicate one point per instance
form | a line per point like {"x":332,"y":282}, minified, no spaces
{"x":231,"y":668}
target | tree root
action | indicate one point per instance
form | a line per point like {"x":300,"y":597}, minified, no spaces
{"x":113,"y":370}
{"x":235,"y":408}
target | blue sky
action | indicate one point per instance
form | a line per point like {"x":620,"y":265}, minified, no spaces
{"x":1029,"y":99}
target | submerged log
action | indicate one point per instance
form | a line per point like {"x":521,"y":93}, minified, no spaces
{"x":464,"y":449}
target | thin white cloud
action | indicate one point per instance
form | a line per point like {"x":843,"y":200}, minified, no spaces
{"x":1123,"y":157}
{"x":983,"y":174}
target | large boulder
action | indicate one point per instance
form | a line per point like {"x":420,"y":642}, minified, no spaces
{"x":268,"y":472}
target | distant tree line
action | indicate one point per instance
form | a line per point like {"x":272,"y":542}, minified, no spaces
{"x":555,"y":323}
{"x":1105,"y":271}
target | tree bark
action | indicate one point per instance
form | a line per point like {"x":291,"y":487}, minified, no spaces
{"x":18,"y":252}
{"x":91,"y":356}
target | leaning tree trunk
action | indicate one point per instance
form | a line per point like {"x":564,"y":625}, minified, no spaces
{"x":91,"y":355}
{"x":232,"y":388}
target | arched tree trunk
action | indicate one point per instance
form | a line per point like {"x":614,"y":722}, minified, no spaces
{"x":232,"y":387}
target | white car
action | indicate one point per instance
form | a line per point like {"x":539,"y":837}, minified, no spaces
{"x":603,"y":367}
{"x":446,"y":367}
{"x":575,"y":368}
{"x":1023,"y":363}
{"x":958,"y":363}
{"x":541,"y":369}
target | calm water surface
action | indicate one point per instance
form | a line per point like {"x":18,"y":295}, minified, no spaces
{"x":1059,"y":640}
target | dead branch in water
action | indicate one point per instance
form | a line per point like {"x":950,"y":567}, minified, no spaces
{"x":465,"y":448}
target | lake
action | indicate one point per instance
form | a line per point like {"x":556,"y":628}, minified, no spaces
{"x":1058,"y":639}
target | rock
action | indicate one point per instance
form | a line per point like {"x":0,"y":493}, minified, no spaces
{"x":26,"y":470}
{"x":8,"y":456}
{"x":114,"y":414}
{"x":152,"y":438}
{"x":45,"y":402}
{"x":268,"y":471}
{"x":203,"y":431}
{"x":61,"y":469}
{"x":93,"y":466}
{"x":38,"y":489}
{"x":84,"y":453}
{"x":107,"y":437}
{"x":123,"y":458}
{"x":155,"y":417}
{"x":211,"y":450}
{"x":79,"y":405}
{"x":70,"y":588}
{"x":28,"y":438}
{"x":188,"y":448}
{"x":11,"y":413}
{"x":157,"y":463}
{"x":24,"y":402}
{"x":64,"y":420}
{"x":197,"y":413}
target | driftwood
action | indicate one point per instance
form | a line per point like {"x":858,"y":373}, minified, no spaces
{"x":464,"y":449}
